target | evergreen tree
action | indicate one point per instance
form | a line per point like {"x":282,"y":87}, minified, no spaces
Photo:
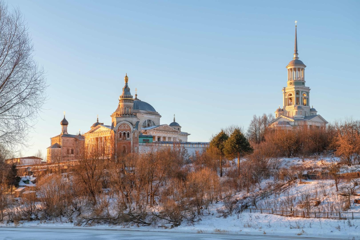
{"x":218,"y":143}
{"x":12,"y":179}
{"x":237,"y":145}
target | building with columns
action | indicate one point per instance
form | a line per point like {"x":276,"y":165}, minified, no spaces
{"x":296,"y":108}
{"x":134,"y":121}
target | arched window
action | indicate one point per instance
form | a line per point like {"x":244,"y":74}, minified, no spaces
{"x":305,"y":102}
{"x":290,"y":99}
{"x":120,"y":135}
{"x":148,"y":123}
{"x":124,"y":135}
{"x":128,"y":135}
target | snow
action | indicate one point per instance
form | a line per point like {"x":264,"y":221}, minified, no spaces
{"x":242,"y":224}
{"x":247,"y":223}
{"x":27,"y":181}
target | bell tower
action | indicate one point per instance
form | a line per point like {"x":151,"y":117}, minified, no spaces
{"x":296,"y":96}
{"x":125,"y":106}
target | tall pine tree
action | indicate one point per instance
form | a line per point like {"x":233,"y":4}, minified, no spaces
{"x":218,"y":143}
{"x":236,"y":146}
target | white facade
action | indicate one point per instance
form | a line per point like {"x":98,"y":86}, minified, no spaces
{"x":190,"y":147}
{"x":296,"y":108}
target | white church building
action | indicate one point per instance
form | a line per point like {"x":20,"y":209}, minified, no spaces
{"x":296,"y":108}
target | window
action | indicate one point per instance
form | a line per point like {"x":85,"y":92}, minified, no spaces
{"x":124,"y":135}
{"x":120,"y":135}
{"x":128,"y":135}
{"x":148,"y":123}
{"x":159,"y":139}
{"x":290,"y":99}
{"x":72,"y":151}
{"x":305,"y":102}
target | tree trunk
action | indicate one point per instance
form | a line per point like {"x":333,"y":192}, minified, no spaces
{"x":239,"y":164}
{"x":336,"y":184}
{"x":221,"y":171}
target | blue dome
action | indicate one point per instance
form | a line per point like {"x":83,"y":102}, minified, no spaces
{"x":144,"y":106}
{"x":96,"y":124}
{"x":174,"y":124}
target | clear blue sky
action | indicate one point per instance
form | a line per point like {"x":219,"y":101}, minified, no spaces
{"x":212,"y":63}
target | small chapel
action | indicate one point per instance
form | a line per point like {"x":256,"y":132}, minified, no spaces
{"x":296,"y":108}
{"x":133,"y":122}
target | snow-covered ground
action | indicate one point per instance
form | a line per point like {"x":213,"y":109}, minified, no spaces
{"x":112,"y":234}
{"x":322,"y":191}
{"x":244,"y":224}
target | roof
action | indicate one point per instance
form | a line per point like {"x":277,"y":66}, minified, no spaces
{"x":80,"y":137}
{"x":283,"y":123}
{"x":296,"y":63}
{"x":96,"y":124}
{"x":64,"y":121}
{"x":144,"y":106}
{"x":174,"y":124}
{"x":126,"y":90}
{"x":184,"y":133}
{"x":55,"y":145}
{"x":311,"y":117}
{"x":32,"y":157}
{"x":152,"y":127}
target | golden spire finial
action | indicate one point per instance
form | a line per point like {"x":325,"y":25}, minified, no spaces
{"x":295,"y":23}
{"x":64,"y":113}
{"x":126,"y":78}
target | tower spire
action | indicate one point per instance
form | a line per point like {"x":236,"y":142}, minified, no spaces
{"x":126,"y":90}
{"x":296,"y":55}
{"x":174,"y":117}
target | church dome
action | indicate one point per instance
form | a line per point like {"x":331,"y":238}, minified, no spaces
{"x":174,"y":124}
{"x":313,"y":110}
{"x":64,"y":122}
{"x":296,"y":63}
{"x":279,"y":110}
{"x":95,"y":124}
{"x":144,"y":106}
{"x":298,"y":107}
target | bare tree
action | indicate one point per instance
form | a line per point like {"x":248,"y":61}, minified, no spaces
{"x":334,"y":171}
{"x":22,"y":84}
{"x":39,"y":154}
{"x":258,"y":128}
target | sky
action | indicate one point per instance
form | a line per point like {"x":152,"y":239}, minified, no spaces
{"x":212,"y":63}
